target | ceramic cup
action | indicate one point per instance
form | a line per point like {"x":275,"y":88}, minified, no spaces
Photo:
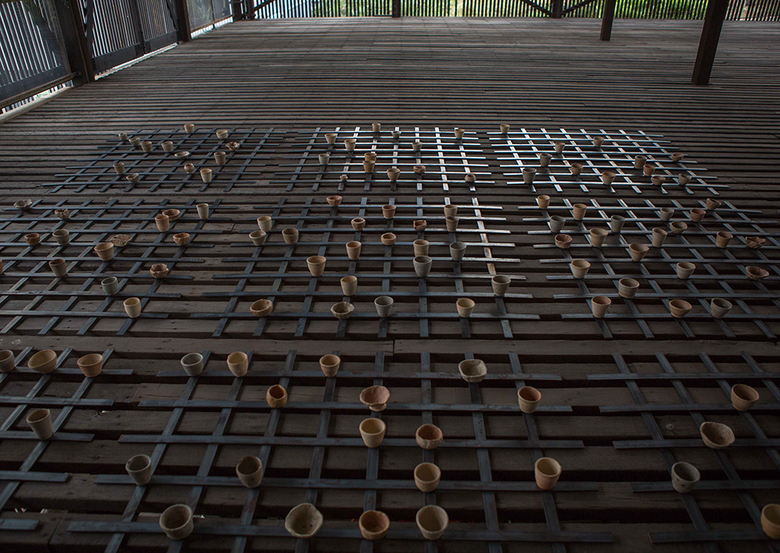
{"x":139,"y":468}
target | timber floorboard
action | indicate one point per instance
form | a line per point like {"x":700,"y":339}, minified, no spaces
{"x":622,"y":398}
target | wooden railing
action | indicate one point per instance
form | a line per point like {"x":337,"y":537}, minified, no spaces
{"x":46,"y":43}
{"x":750,"y":10}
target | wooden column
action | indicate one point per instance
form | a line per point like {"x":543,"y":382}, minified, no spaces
{"x":607,"y":18}
{"x":556,"y":8}
{"x":183,"y":29}
{"x":396,"y":8}
{"x":238,"y":10}
{"x":249,"y":12}
{"x":75,"y":38}
{"x":708,"y":45}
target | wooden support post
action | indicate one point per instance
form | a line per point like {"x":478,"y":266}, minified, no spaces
{"x":75,"y":38}
{"x":183,"y":28}
{"x":238,"y":10}
{"x":396,"y":8}
{"x":557,"y":8}
{"x":607,"y":18}
{"x":249,"y":12}
{"x":708,"y":45}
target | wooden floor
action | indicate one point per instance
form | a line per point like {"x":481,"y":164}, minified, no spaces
{"x":614,"y":413}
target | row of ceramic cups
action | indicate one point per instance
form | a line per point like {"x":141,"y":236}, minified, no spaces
{"x":305,"y":521}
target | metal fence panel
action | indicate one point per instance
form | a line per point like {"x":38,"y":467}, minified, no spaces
{"x":31,"y":49}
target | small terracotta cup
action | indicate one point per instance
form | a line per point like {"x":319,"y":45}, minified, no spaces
{"x":184,"y":238}
{"x":384,"y":306}
{"x":105,"y":251}
{"x":723,"y":238}
{"x":421,"y":247}
{"x":500,"y":284}
{"x":43,"y":361}
{"x":192,"y":363}
{"x":578,"y":211}
{"x":358,"y":223}
{"x":303,"y":521}
{"x":261,"y":308}
{"x":290,"y":236}
{"x":330,"y":364}
{"x":685,"y":270}
{"x":353,"y":250}
{"x":450,"y":210}
{"x":659,"y":236}
{"x":373,"y":525}
{"x":432,"y":521}
{"x":61,"y":236}
{"x":543,"y":201}
{"x":679,"y":308}
{"x":770,"y":520}
{"x":7,"y":361}
{"x":563,"y":241}
{"x":429,"y":436}
{"x":58,"y":267}
{"x":720,"y":307}
{"x":528,"y":398}
{"x":627,"y":287}
{"x":372,"y":431}
{"x":666,"y":213}
{"x":457,"y":250}
{"x":388,"y":238}
{"x":238,"y":363}
{"x":472,"y":370}
{"x":599,"y":306}
{"x":316,"y":265}
{"x":176,"y":522}
{"x":375,"y":398}
{"x":388,"y":211}
{"x":40,"y":423}
{"x":529,"y":174}
{"x":427,"y":477}
{"x":716,"y":435}
{"x":597,"y":237}
{"x":465,"y":307}
{"x":451,"y":223}
{"x":206,"y":175}
{"x":743,"y":397}
{"x":638,"y":251}
{"x":547,"y":471}
{"x":132,"y":307}
{"x":139,"y":468}
{"x":616,"y":223}
{"x":250,"y":471}
{"x":163,"y":222}
{"x":91,"y":365}
{"x":697,"y":214}
{"x":579,"y":268}
{"x":276,"y":396}
{"x":203,"y":210}
{"x":349,"y":285}
{"x":575,"y":169}
{"x":265,"y":223}
{"x":684,"y":477}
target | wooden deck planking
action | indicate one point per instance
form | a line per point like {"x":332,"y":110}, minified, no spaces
{"x":471,"y":73}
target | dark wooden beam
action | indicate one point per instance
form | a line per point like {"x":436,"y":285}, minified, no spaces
{"x":183,"y":28}
{"x":249,"y":12}
{"x":557,"y":8}
{"x":75,"y":39}
{"x":238,"y":10}
{"x":396,"y":8}
{"x":708,"y":44}
{"x":607,"y":18}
